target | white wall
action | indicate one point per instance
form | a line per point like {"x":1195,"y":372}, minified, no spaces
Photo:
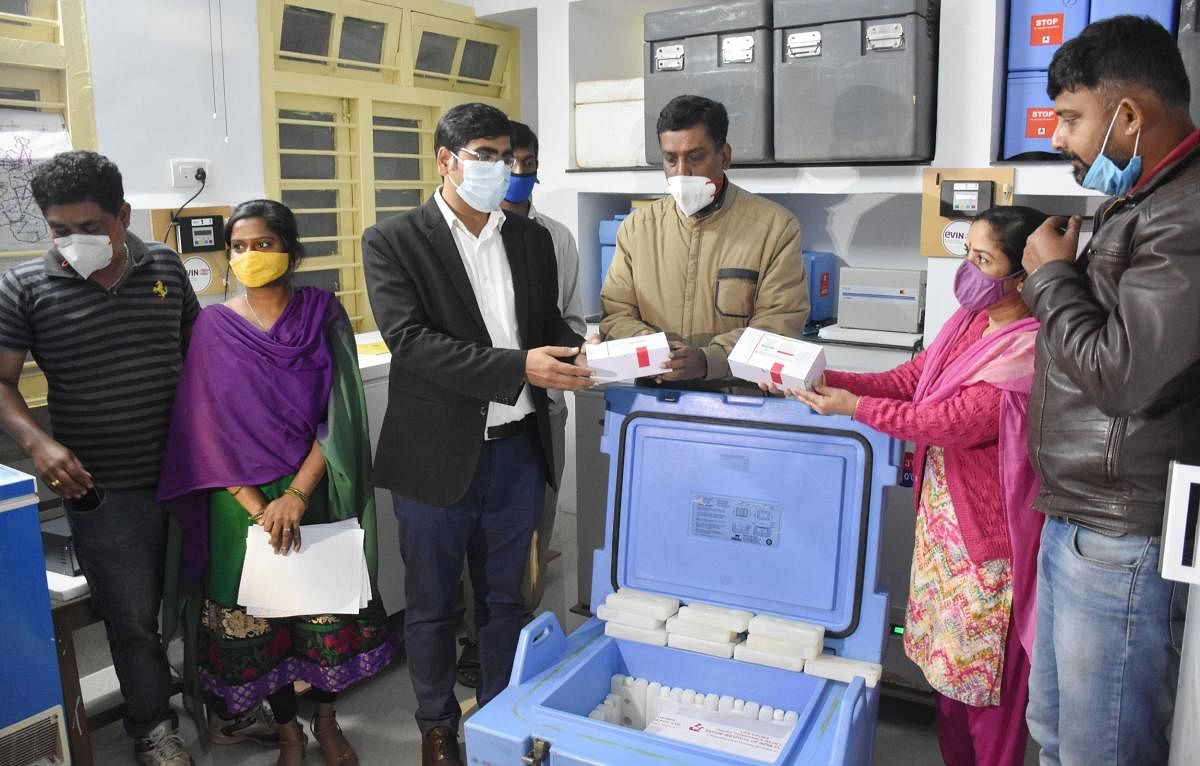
{"x":153,"y":89}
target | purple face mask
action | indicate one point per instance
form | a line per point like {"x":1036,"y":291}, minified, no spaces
{"x":975,"y":290}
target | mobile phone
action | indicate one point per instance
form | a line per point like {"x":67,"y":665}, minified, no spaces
{"x":90,"y":501}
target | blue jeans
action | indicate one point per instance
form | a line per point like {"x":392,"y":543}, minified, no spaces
{"x":491,"y":527}
{"x":1106,"y":656}
{"x":121,"y":545}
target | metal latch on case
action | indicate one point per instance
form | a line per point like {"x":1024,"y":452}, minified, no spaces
{"x":738,"y":49}
{"x":539,"y":752}
{"x":668,"y":58}
{"x":803,"y":44}
{"x":885,"y":37}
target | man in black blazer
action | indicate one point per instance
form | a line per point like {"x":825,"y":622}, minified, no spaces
{"x":466,"y":299}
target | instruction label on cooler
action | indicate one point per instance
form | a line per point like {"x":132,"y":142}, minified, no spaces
{"x":747,"y":738}
{"x":737,"y":519}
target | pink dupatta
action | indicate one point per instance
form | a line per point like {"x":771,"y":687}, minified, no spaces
{"x":1003,"y":359}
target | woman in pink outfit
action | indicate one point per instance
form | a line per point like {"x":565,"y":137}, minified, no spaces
{"x":969,"y":621}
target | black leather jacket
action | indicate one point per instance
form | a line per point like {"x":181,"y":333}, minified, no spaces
{"x":1116,"y":389}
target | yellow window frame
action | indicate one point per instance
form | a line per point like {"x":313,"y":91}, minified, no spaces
{"x":46,"y":50}
{"x":391,"y":91}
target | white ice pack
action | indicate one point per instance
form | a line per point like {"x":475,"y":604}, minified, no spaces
{"x":735,"y":620}
{"x":677,"y":626}
{"x":641,"y":635}
{"x":648,"y":604}
{"x":691,"y":644}
{"x":784,"y":661}
{"x":788,"y":630}
{"x":801,"y":649}
{"x":843,"y":669}
{"x":612,"y":614}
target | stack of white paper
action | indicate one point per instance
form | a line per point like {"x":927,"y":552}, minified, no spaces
{"x":328,"y":575}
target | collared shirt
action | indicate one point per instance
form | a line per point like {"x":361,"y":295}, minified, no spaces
{"x":570,"y":299}
{"x":111,"y":356}
{"x":486,"y":262}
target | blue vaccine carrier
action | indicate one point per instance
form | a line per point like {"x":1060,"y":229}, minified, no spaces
{"x":745,"y":502}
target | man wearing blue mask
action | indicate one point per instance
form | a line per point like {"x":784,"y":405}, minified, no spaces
{"x":1116,"y":396}
{"x":519,"y":200}
{"x":466,"y":298}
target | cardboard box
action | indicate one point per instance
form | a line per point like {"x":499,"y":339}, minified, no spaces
{"x":764,"y":357}
{"x":628,"y":358}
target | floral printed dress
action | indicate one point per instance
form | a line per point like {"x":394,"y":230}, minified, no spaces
{"x":242,"y":659}
{"x":958,"y":609}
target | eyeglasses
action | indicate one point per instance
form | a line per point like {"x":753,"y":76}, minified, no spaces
{"x":490,"y":156}
{"x":527,"y":165}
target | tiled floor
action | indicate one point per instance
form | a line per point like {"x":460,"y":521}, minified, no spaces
{"x":377,"y":716}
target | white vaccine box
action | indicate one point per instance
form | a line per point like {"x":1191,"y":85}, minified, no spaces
{"x":628,"y":358}
{"x":764,"y":357}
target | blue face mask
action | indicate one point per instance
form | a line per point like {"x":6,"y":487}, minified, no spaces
{"x":520,"y":187}
{"x":1105,"y":177}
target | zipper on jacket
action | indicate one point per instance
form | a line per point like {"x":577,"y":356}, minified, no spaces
{"x":1116,"y":435}
{"x":1037,"y":456}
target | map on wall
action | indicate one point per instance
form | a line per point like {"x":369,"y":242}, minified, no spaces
{"x":26,"y":138}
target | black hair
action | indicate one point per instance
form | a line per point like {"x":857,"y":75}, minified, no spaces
{"x":683,"y":112}
{"x":467,"y":122}
{"x":1012,"y":225}
{"x":279,"y":218}
{"x":72,"y":177}
{"x":1120,"y":52}
{"x":523,"y":137}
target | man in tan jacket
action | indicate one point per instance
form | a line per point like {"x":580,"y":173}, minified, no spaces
{"x":708,"y":261}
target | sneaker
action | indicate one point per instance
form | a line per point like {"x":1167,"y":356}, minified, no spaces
{"x":162,"y":747}
{"x":255,"y":725}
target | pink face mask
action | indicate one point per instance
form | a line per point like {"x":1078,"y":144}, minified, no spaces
{"x":975,"y":290}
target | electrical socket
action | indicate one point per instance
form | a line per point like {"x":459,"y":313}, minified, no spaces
{"x":183,"y":172}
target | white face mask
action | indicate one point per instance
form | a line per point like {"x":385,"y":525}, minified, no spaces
{"x":87,"y":253}
{"x":692,"y":193}
{"x":484,"y":184}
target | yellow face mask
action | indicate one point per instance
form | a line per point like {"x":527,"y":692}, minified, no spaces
{"x":255,"y":268}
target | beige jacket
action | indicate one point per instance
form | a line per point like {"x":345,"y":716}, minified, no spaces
{"x":704,"y":281}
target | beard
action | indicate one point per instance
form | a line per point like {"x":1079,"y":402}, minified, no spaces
{"x":1080,"y":169}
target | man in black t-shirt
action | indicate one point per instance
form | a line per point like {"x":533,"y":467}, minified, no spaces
{"x":106,"y":317}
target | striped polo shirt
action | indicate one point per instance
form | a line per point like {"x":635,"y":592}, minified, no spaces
{"x":111,"y":357}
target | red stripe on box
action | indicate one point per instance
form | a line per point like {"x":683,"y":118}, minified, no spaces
{"x":643,"y":356}
{"x":776,"y":376}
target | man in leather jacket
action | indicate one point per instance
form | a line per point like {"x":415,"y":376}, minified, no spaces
{"x":1116,"y":396}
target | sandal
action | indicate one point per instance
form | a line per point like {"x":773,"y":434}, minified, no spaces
{"x":334,"y":747}
{"x":467,"y":671}
{"x":292,"y":744}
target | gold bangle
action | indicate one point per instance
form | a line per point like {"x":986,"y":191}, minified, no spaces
{"x":293,"y":491}
{"x":234,"y":492}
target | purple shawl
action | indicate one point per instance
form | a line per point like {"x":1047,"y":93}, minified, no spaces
{"x":1003,"y":359}
{"x":247,"y":409}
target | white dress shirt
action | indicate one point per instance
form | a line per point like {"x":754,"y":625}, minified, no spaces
{"x":486,"y":262}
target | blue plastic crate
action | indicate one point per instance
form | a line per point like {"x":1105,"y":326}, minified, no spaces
{"x":1165,"y":12}
{"x":607,"y":252}
{"x":1029,"y":118}
{"x":821,"y":271}
{"x":682,"y":465}
{"x":1037,"y":28}
{"x":608,"y":229}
